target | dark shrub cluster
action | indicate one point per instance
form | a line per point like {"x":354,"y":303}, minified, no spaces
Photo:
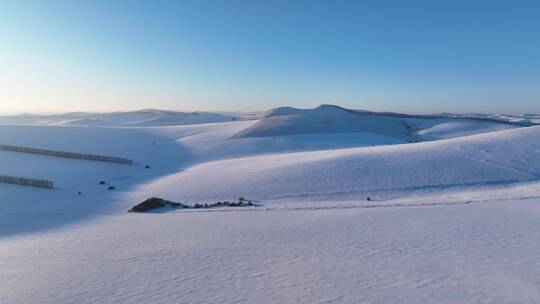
{"x":155,"y":203}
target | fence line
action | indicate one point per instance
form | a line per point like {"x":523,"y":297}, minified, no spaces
{"x":23,"y":181}
{"x":92,"y":157}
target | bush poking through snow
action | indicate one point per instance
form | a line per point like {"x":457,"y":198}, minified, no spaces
{"x":155,"y":203}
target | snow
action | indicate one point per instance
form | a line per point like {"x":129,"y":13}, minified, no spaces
{"x":452,"y":219}
{"x":478,"y":253}
{"x":491,"y":158}
{"x":148,"y":117}
{"x":523,"y":119}
{"x":323,"y":119}
{"x":401,"y":128}
{"x":442,"y":128}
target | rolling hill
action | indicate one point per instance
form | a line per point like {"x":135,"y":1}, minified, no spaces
{"x":441,"y":213}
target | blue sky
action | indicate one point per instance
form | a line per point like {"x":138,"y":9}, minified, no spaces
{"x":409,"y":56}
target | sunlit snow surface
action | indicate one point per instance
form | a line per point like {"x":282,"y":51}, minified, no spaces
{"x":448,"y":220}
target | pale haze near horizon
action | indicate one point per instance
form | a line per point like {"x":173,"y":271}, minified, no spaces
{"x":60,"y":56}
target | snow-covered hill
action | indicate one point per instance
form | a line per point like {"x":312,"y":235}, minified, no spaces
{"x":441,"y":213}
{"x":524,"y":119}
{"x":189,"y":162}
{"x":480,"y":160}
{"x":323,"y":119}
{"x":287,"y":121}
{"x":400,"y":127}
{"x":149,"y":117}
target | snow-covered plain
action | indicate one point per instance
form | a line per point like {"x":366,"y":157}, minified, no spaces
{"x":452,"y":216}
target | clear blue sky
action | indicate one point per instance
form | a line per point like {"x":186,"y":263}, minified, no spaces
{"x":411,"y":56}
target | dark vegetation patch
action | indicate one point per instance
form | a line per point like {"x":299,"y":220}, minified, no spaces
{"x":156,"y":203}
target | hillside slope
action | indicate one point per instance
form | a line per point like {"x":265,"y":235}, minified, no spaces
{"x":486,"y":159}
{"x":442,"y":214}
{"x":324,"y":119}
{"x":334,"y":119}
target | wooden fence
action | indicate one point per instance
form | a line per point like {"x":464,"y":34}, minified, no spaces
{"x":23,"y":181}
{"x":92,"y":157}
